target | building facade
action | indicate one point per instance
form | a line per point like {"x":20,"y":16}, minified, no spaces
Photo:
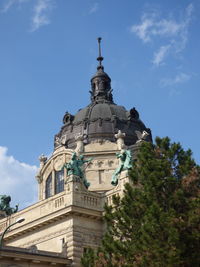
{"x":68,"y":215}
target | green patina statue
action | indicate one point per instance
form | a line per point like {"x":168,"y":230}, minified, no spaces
{"x":125,"y":164}
{"x":75,"y":167}
{"x":5,"y":205}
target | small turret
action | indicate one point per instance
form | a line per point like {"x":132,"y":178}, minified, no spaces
{"x":101,"y":83}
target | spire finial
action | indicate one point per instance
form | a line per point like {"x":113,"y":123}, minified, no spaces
{"x":100,"y":58}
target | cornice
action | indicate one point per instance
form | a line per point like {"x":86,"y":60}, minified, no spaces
{"x":71,"y":211}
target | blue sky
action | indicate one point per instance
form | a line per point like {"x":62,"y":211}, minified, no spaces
{"x":48,"y":53}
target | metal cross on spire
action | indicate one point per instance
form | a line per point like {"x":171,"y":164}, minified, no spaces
{"x":100,"y":58}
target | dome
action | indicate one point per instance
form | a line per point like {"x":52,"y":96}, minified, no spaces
{"x":100,"y":122}
{"x":102,"y":118}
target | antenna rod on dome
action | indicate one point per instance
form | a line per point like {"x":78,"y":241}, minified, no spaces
{"x":100,"y":58}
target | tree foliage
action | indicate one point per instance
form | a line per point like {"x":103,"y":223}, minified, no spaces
{"x":157,"y":222}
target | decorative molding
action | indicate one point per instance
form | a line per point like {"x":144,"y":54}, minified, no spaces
{"x":58,"y":162}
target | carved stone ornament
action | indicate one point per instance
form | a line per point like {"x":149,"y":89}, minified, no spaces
{"x":120,"y":140}
{"x":58,"y":163}
{"x":57,"y":141}
{"x":142,"y":136}
{"x":68,"y":118}
{"x":79,"y":144}
{"x":63,"y":140}
{"x":42,"y":160}
{"x":39,"y":178}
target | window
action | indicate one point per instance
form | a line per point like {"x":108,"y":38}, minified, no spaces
{"x":48,"y":189}
{"x":59,"y":181}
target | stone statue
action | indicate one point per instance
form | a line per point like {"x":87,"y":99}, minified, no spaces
{"x":125,"y":164}
{"x":5,"y":205}
{"x":120,"y":140}
{"x":79,"y":144}
{"x":75,"y":167}
{"x":142,"y":136}
{"x":56,"y":141}
{"x":43,"y":160}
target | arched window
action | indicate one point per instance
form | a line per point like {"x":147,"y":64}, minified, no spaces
{"x":48,"y":187}
{"x":59,"y":181}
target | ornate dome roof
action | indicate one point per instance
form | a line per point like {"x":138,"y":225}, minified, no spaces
{"x":102,"y":118}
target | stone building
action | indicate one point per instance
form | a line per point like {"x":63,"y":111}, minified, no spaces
{"x":68,"y":217}
{"x":32,"y":257}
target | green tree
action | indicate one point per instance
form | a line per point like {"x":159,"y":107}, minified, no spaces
{"x":157,"y":222}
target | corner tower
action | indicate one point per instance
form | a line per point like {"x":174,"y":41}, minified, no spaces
{"x":68,"y":216}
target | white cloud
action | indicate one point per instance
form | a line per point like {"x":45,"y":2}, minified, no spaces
{"x":142,"y":31}
{"x":94,"y":8}
{"x":40,"y":17}
{"x":160,"y":55}
{"x":41,"y":11}
{"x":151,"y":26}
{"x":17,"y":180}
{"x":178,"y":79}
{"x":9,"y":3}
{"x":173,"y":33}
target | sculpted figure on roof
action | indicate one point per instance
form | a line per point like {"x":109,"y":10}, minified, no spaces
{"x":5,"y":205}
{"x":75,"y":167}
